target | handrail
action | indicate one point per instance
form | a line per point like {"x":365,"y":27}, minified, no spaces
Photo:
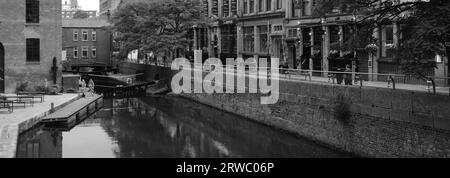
{"x":391,"y":79}
{"x":430,"y":80}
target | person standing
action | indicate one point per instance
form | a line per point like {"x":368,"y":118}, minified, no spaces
{"x":348,"y":75}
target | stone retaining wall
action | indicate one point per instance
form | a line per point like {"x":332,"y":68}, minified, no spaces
{"x":370,"y":122}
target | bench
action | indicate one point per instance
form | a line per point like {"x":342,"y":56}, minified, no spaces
{"x":20,"y":100}
{"x":35,"y":95}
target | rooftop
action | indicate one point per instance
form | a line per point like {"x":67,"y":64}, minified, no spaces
{"x":85,"y":23}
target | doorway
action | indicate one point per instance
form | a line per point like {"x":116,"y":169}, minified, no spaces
{"x":292,"y":58}
{"x":2,"y":68}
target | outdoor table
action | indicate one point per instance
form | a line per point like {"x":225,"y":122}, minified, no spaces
{"x":7,"y":104}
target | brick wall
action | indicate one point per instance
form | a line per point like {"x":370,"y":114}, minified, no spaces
{"x":13,"y":34}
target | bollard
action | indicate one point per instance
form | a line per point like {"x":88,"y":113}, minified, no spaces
{"x":429,"y":86}
{"x":52,"y":107}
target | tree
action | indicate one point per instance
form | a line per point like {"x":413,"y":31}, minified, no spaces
{"x":159,"y":26}
{"x":80,"y":15}
{"x":425,"y":27}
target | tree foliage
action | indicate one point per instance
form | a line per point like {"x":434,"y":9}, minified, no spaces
{"x":159,"y":26}
{"x":80,"y":15}
{"x":424,"y":27}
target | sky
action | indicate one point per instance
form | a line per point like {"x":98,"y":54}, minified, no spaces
{"x":89,"y":4}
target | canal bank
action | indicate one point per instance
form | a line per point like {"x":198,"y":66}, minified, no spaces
{"x":23,"y":119}
{"x":369,"y":122}
{"x":166,"y":127}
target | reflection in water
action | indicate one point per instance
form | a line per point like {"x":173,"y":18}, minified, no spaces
{"x":166,"y":128}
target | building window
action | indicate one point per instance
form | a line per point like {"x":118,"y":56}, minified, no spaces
{"x":246,"y":7}
{"x":296,"y":6}
{"x":85,"y":35}
{"x":268,"y":5}
{"x":94,"y":36}
{"x":292,"y":33}
{"x":252,"y":6}
{"x":234,"y":7}
{"x":249,"y":37}
{"x":226,"y":8}
{"x":75,"y":52}
{"x":215,"y":8}
{"x":32,"y":11}
{"x":277,"y":28}
{"x":228,"y":34}
{"x":261,"y":6}
{"x":75,"y":35}
{"x":263,"y":38}
{"x":84,"y":51}
{"x":33,"y":50}
{"x":279,"y":4}
{"x":94,"y":51}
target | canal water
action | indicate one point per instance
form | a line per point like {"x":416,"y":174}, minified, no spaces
{"x":165,"y":127}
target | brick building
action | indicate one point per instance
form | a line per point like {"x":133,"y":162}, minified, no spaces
{"x":86,"y":42}
{"x":30,"y":43}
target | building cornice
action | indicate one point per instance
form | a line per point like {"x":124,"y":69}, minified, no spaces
{"x":262,"y":16}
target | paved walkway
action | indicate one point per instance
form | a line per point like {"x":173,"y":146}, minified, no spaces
{"x":376,"y":84}
{"x":11,"y":124}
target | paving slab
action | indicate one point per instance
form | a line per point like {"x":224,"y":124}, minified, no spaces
{"x":22,"y":119}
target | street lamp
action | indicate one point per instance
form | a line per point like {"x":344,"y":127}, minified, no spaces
{"x":354,"y":21}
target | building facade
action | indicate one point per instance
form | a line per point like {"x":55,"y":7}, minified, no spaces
{"x":315,"y":43}
{"x":86,"y":42}
{"x":242,"y":28}
{"x":288,"y":30}
{"x":261,"y":29}
{"x":69,"y":14}
{"x":70,"y":5}
{"x":30,"y":43}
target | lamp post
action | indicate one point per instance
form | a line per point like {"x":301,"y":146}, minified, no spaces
{"x":324,"y":46}
{"x":354,"y":18}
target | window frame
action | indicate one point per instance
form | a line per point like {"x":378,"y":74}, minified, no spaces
{"x":261,"y":5}
{"x":279,"y":4}
{"x":94,"y":51}
{"x":83,"y":35}
{"x":33,"y":50}
{"x":75,"y":52}
{"x":84,"y":49}
{"x":76,"y":35}
{"x":32,"y":11}
{"x":268,"y":5}
{"x":94,"y":35}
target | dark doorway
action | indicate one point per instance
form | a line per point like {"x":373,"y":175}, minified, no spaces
{"x":2,"y":68}
{"x":293,"y":55}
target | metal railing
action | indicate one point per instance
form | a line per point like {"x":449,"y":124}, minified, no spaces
{"x":392,"y":81}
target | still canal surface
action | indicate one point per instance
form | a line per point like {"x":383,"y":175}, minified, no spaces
{"x":165,"y":127}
